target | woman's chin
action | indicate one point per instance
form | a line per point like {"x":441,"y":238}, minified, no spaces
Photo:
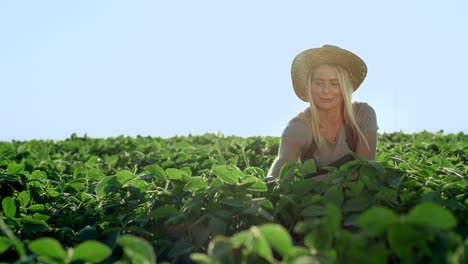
{"x":326,"y":106}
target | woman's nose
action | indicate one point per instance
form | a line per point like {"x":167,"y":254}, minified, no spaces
{"x":326,"y":88}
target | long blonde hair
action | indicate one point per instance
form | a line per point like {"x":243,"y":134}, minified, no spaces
{"x":348,"y":109}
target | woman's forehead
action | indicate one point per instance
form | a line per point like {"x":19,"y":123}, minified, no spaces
{"x":324,"y":71}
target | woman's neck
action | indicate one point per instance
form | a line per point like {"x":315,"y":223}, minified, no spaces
{"x":330,"y":118}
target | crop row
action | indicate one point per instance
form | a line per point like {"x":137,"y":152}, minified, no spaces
{"x":202,"y":199}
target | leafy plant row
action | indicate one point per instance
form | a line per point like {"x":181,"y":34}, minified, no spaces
{"x":202,"y":199}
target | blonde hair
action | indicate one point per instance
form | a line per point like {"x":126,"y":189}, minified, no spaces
{"x":349,"y":115}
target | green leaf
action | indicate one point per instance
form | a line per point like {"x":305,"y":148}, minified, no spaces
{"x":91,"y":251}
{"x":164,"y":211}
{"x":53,"y":193}
{"x":357,"y":251}
{"x":232,"y":202}
{"x":355,"y":188}
{"x":106,"y":185}
{"x":24,"y":197}
{"x":76,"y":184}
{"x":87,"y":233}
{"x":433,"y":215}
{"x":180,"y":248}
{"x":446,"y":163}
{"x":461,"y":253}
{"x":217,"y":226}
{"x":303,"y":187}
{"x":314,"y":210}
{"x":254,"y":184}
{"x":387,"y":194}
{"x":157,"y":170}
{"x":137,"y":249}
{"x":395,"y":181}
{"x":94,"y":174}
{"x":174,"y":174}
{"x":454,"y":185}
{"x":266,"y":204}
{"x":258,"y":211}
{"x":196,"y":184}
{"x":334,"y":195}
{"x":185,"y":174}
{"x":37,"y":174}
{"x":239,"y":238}
{"x":378,"y":167}
{"x":220,"y":247}
{"x":124,"y":177}
{"x":278,"y":237}
{"x":5,"y":244}
{"x":48,"y":247}
{"x":257,"y":244}
{"x":37,"y":207}
{"x":405,"y":240}
{"x":138,"y":183}
{"x":309,"y":166}
{"x":333,"y":218}
{"x":186,"y":171}
{"x":87,"y":198}
{"x":40,"y":216}
{"x":283,"y":202}
{"x":376,"y":220}
{"x":9,"y":207}
{"x":15,"y":168}
{"x":200,"y":258}
{"x":357,"y":204}
{"x":287,"y":168}
{"x":298,"y":252}
{"x":215,"y":183}
{"x":227,"y":173}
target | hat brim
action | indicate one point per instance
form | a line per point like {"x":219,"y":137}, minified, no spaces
{"x":327,"y":54}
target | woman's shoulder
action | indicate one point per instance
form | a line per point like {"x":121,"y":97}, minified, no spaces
{"x":363,"y":108}
{"x":361,"y":105}
{"x":299,"y":128}
{"x":302,"y":121}
{"x":304,"y":117}
{"x":365,"y":116}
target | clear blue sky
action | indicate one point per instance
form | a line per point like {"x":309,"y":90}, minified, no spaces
{"x":163,"y":68}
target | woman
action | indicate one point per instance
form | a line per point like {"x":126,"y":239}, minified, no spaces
{"x":332,"y":125}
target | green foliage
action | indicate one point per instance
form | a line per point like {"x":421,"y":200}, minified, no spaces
{"x":137,"y":250}
{"x":50,"y":250}
{"x":203,"y":199}
{"x":9,"y":207}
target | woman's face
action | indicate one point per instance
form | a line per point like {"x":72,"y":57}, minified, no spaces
{"x":325,"y":89}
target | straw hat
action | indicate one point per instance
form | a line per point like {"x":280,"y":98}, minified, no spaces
{"x":327,"y":54}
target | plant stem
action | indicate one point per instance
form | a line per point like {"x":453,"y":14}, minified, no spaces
{"x":167,"y":185}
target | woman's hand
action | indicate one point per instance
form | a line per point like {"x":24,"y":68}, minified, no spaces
{"x":269,"y":178}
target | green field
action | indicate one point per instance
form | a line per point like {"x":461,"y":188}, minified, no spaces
{"x":201,"y":199}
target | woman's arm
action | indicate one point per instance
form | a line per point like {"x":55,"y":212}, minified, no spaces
{"x":289,"y":150}
{"x":367,"y":121}
{"x":363,"y":150}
